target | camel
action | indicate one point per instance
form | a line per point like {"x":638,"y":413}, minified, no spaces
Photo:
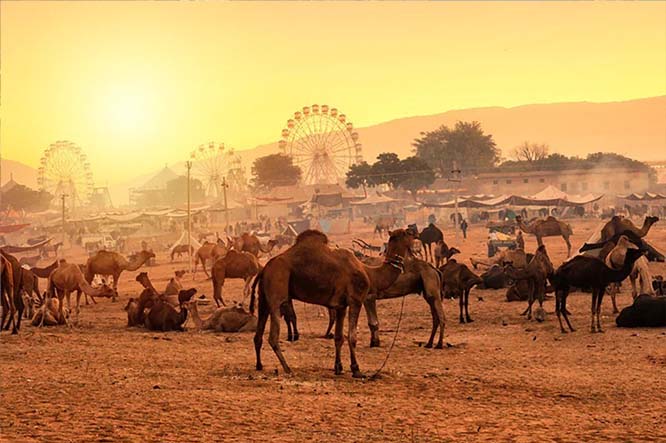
{"x":30,"y":261}
{"x":112,"y":263}
{"x":164,"y":317}
{"x":209,"y":251}
{"x":250,"y":243}
{"x":420,"y":277}
{"x":536,"y":273}
{"x":588,"y":272}
{"x":384,"y":225}
{"x":180,"y":250}
{"x":48,"y":314}
{"x":548,"y":227}
{"x":645,"y":312}
{"x":12,"y":265}
{"x":442,"y":252}
{"x":517,"y":257}
{"x":67,"y":278}
{"x":617,"y":225}
{"x":7,"y":293}
{"x":313,"y":272}
{"x":174,"y":286}
{"x":430,"y":234}
{"x":44,"y":272}
{"x":458,"y":281}
{"x":233,"y":265}
{"x":233,"y":319}
{"x":30,"y":292}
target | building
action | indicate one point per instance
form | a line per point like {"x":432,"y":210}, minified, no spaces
{"x":573,"y":181}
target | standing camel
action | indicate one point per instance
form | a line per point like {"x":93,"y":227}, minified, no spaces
{"x":617,"y":225}
{"x":588,"y":272}
{"x":313,"y":272}
{"x":536,"y":273}
{"x":251,"y":243}
{"x":233,"y":265}
{"x":111,"y":263}
{"x":17,"y":277}
{"x":209,"y":251}
{"x":457,"y":281}
{"x":67,"y":278}
{"x":429,"y":236}
{"x":548,"y":227}
{"x":7,"y":293}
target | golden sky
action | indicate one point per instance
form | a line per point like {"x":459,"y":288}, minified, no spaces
{"x":140,"y":84}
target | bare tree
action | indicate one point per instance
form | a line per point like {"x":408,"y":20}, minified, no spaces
{"x":530,"y":152}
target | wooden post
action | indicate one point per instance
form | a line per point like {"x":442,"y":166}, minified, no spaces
{"x":455,"y":177}
{"x":189,"y":219}
{"x":226,"y":209}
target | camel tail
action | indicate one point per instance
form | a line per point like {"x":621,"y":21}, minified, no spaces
{"x":254,"y":288}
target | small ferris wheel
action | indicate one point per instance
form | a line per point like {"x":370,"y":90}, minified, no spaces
{"x":64,"y":170}
{"x":213,"y":163}
{"x":322,"y":143}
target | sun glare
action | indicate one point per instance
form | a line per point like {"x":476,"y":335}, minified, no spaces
{"x":127,"y":110}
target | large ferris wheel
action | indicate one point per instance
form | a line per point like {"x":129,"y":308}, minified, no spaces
{"x":322,"y":143}
{"x":213,"y":164}
{"x":65,"y":171}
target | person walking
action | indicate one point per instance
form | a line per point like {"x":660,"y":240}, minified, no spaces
{"x":463,"y":228}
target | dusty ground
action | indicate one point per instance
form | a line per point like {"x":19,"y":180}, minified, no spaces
{"x":502,"y":378}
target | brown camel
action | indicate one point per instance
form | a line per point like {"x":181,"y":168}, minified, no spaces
{"x":548,"y":227}
{"x":233,"y":319}
{"x":180,"y":250}
{"x":209,"y":251}
{"x":250,"y":243}
{"x":48,"y":314}
{"x":175,"y":285}
{"x":67,"y":278}
{"x":536,"y":274}
{"x":30,"y":292}
{"x":458,"y":281}
{"x":641,"y":271}
{"x":111,"y":263}
{"x":313,"y":272}
{"x":13,"y":266}
{"x":617,"y":225}
{"x":233,"y":265}
{"x":164,"y":317}
{"x":517,"y":257}
{"x":420,"y":277}
{"x":7,"y":293}
{"x":443,"y":253}
{"x":44,"y":272}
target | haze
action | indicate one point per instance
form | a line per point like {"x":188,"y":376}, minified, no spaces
{"x":138,"y":85}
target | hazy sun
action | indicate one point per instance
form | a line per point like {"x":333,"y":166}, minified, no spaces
{"x":127,"y":110}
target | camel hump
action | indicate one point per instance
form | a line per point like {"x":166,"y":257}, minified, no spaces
{"x":312,"y":235}
{"x":550,"y":218}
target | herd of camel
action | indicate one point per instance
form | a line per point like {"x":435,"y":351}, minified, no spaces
{"x":314,"y":271}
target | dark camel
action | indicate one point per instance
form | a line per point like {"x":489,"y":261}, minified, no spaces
{"x":313,"y":272}
{"x":7,"y":293}
{"x":13,"y":266}
{"x":180,"y":250}
{"x":457,"y":281}
{"x":164,"y":317}
{"x":548,"y":227}
{"x":443,"y":253}
{"x":233,"y":265}
{"x":429,"y":236}
{"x":588,"y":272}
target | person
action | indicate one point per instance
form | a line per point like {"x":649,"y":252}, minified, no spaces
{"x":463,"y":228}
{"x":520,"y":241}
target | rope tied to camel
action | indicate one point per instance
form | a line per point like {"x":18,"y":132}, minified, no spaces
{"x":375,"y":375}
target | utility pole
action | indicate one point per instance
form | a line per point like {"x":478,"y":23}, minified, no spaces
{"x":455,"y":178}
{"x":188,"y":164}
{"x":62,"y":198}
{"x":226,"y":209}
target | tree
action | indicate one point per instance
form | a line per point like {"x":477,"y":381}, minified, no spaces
{"x":275,"y":170}
{"x":416,"y":175}
{"x":176,"y":190}
{"x":360,"y":175}
{"x":466,"y":144}
{"x":22,"y":198}
{"x":386,"y":170}
{"x":530,"y":152}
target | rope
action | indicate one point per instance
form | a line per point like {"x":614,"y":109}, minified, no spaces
{"x":395,"y":336}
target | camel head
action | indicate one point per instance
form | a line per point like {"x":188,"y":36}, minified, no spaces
{"x":400,"y":242}
{"x":633,"y":255}
{"x":142,"y":278}
{"x":451,"y":252}
{"x":107,"y":291}
{"x":185,"y":295}
{"x":650,"y":220}
{"x":179,"y":274}
{"x":146,"y":255}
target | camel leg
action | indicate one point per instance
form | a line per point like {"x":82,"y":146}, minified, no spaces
{"x":262,"y":317}
{"x":565,"y":312}
{"x":435,"y":324}
{"x":599,"y":299}
{"x":594,"y":310}
{"x":432,"y":297}
{"x":467,"y":317}
{"x":373,"y":321}
{"x":78,"y":304}
{"x":613,"y":295}
{"x":246,"y":288}
{"x":339,"y":338}
{"x":461,"y":302}
{"x":116,"y":279}
{"x":331,"y":323}
{"x":354,"y":311}
{"x":566,"y":239}
{"x":274,"y":339}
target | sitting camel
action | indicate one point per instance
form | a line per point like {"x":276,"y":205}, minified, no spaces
{"x":107,"y":263}
{"x":517,"y":257}
{"x":233,"y":319}
{"x":458,"y":281}
{"x":49,"y":313}
{"x":645,"y":312}
{"x":234,"y":265}
{"x":617,"y":225}
{"x":68,"y":278}
{"x":174,"y":286}
{"x":162,"y":316}
{"x":209,"y":251}
{"x":548,"y":227}
{"x":536,"y":275}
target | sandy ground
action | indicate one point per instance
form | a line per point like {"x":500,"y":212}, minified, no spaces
{"x":502,"y":378}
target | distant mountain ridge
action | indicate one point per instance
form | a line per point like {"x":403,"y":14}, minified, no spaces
{"x":635,"y":128}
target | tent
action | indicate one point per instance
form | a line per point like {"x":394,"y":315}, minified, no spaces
{"x":182,"y":240}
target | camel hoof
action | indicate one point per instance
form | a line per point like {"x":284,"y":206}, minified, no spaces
{"x":296,"y":337}
{"x":439,"y":346}
{"x":359,"y":374}
{"x":374,"y":343}
{"x":338,"y":369}
{"x":328,"y":336}
{"x":260,"y":367}
{"x":563,"y":331}
{"x":462,"y":320}
{"x":469,"y":320}
{"x":428,"y":345}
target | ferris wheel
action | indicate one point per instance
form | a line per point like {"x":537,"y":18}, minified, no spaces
{"x":64,"y":170}
{"x":322,"y":143}
{"x":212,"y":163}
